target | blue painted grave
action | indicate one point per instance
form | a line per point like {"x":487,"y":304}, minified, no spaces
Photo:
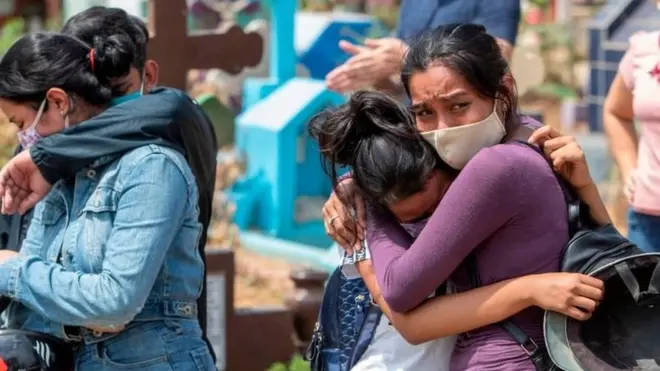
{"x":609,"y":32}
{"x":313,"y":42}
{"x":284,"y":187}
{"x":317,"y":38}
{"x":279,"y":199}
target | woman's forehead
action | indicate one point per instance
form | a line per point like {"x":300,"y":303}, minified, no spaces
{"x":438,"y":82}
{"x":16,"y":111}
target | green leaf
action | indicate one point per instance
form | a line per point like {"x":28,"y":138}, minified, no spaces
{"x":279,"y":366}
{"x":299,"y":364}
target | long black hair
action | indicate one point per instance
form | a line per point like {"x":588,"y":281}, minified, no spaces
{"x":41,"y":61}
{"x":470,"y":51}
{"x":376,"y":137}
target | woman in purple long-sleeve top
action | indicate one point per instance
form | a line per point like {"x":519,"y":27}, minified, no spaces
{"x":505,"y":204}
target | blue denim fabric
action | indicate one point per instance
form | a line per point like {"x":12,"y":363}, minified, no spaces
{"x":501,"y":17}
{"x":644,"y":231}
{"x":165,"y":345}
{"x":118,"y":245}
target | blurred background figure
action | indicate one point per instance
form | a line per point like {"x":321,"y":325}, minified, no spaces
{"x":377,"y":62}
{"x":632,"y":123}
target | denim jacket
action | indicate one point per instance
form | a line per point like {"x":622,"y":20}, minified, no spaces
{"x":165,"y":117}
{"x":116,"y":245}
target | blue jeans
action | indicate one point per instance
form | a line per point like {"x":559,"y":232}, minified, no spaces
{"x":644,"y":231}
{"x":167,"y":345}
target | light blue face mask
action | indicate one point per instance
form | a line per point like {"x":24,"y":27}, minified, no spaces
{"x":128,"y":97}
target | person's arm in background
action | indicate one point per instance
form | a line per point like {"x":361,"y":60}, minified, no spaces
{"x":618,"y":120}
{"x":571,"y":294}
{"x":119,"y":129}
{"x":501,"y":19}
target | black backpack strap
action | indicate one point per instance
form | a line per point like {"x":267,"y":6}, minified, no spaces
{"x":537,"y":355}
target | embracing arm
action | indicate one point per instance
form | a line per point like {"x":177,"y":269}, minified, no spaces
{"x":148,"y":213}
{"x":485,"y":195}
{"x":574,"y":295}
{"x":456,"y":313}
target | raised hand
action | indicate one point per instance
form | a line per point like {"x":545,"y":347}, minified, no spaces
{"x":566,"y":155}
{"x":376,"y":60}
{"x":21,"y":184}
{"x":340,"y":224}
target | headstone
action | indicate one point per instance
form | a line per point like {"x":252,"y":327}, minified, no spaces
{"x":178,"y":51}
{"x":245,"y":339}
{"x":219,"y":301}
{"x":221,"y":116}
{"x":284,"y":174}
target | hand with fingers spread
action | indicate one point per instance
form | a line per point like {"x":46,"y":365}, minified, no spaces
{"x":566,"y":155}
{"x":344,"y":226}
{"x":21,"y":184}
{"x":377,"y":60}
{"x":572,"y":294}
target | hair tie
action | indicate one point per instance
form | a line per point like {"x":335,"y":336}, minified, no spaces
{"x":92,"y":53}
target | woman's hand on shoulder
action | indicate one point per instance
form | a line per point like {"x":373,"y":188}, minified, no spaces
{"x":566,"y":155}
{"x":572,"y":294}
{"x":340,"y":224}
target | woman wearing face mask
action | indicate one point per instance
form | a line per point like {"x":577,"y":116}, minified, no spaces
{"x":373,"y":126}
{"x":110,"y":260}
{"x":456,"y":79}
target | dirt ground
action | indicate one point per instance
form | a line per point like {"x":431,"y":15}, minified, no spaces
{"x":260,"y":281}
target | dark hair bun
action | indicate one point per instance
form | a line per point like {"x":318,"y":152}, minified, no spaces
{"x":367,"y":115}
{"x":113,"y":56}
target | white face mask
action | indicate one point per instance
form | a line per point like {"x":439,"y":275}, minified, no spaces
{"x":457,"y":145}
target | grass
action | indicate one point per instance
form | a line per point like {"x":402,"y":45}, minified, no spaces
{"x":297,"y":363}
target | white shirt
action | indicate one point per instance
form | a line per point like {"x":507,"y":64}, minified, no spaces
{"x":389,"y":351}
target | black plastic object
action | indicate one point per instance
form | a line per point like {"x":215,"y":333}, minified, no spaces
{"x":30,"y":351}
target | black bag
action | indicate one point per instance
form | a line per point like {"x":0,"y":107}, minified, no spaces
{"x":26,"y":350}
{"x":590,"y":246}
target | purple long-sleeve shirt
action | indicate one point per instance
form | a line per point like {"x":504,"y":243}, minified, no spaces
{"x":507,"y":207}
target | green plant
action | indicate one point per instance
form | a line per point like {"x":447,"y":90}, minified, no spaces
{"x":12,"y":30}
{"x":297,"y":363}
